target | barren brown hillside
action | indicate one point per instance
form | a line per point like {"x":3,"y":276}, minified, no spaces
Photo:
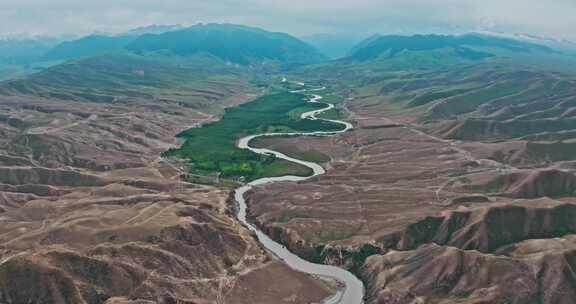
{"x":464,"y":166}
{"x":90,"y":213}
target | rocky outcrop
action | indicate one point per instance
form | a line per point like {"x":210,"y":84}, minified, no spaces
{"x":62,"y":276}
{"x":489,"y":228}
{"x":527,"y":184}
{"x":440,"y":274}
{"x":540,"y":183}
{"x":178,"y":248}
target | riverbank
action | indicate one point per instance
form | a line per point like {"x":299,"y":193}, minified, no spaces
{"x":211,"y":149}
{"x":352,"y":291}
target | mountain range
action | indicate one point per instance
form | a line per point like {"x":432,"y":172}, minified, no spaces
{"x":463,"y":46}
{"x":455,"y":185}
{"x":248,"y":46}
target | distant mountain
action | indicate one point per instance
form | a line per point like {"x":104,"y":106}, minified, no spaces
{"x":233,"y":43}
{"x":96,"y":44}
{"x":88,"y":46}
{"x":154,"y":29}
{"x":21,"y":56}
{"x":24,"y":51}
{"x":126,"y":76}
{"x":470,"y":46}
{"x":334,"y":45}
{"x":563,"y":45}
{"x":362,"y":44}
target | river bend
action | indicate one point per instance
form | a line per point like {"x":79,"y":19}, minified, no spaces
{"x":352,"y":291}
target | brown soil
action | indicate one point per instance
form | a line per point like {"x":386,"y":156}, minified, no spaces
{"x":455,"y":201}
{"x":89,"y":213}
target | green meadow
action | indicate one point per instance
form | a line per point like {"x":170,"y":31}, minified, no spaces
{"x":212,"y":148}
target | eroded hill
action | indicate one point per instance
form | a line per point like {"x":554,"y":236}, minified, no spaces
{"x":91,"y":213}
{"x":457,"y":184}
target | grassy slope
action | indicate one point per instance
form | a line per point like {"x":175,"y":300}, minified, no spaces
{"x":198,"y":82}
{"x":238,"y":44}
{"x":212,"y":148}
{"x":512,"y":95}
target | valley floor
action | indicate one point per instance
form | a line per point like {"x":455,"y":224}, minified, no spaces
{"x":462,"y":193}
{"x":421,"y":216}
{"x":90,"y":213}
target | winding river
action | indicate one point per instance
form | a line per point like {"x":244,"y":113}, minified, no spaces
{"x":352,"y":291}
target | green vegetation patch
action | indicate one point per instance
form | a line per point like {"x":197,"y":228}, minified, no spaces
{"x":335,"y":99}
{"x":212,"y":148}
{"x":354,"y":259}
{"x":334,"y":114}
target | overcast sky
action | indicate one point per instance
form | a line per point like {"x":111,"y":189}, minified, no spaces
{"x":552,"y":18}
